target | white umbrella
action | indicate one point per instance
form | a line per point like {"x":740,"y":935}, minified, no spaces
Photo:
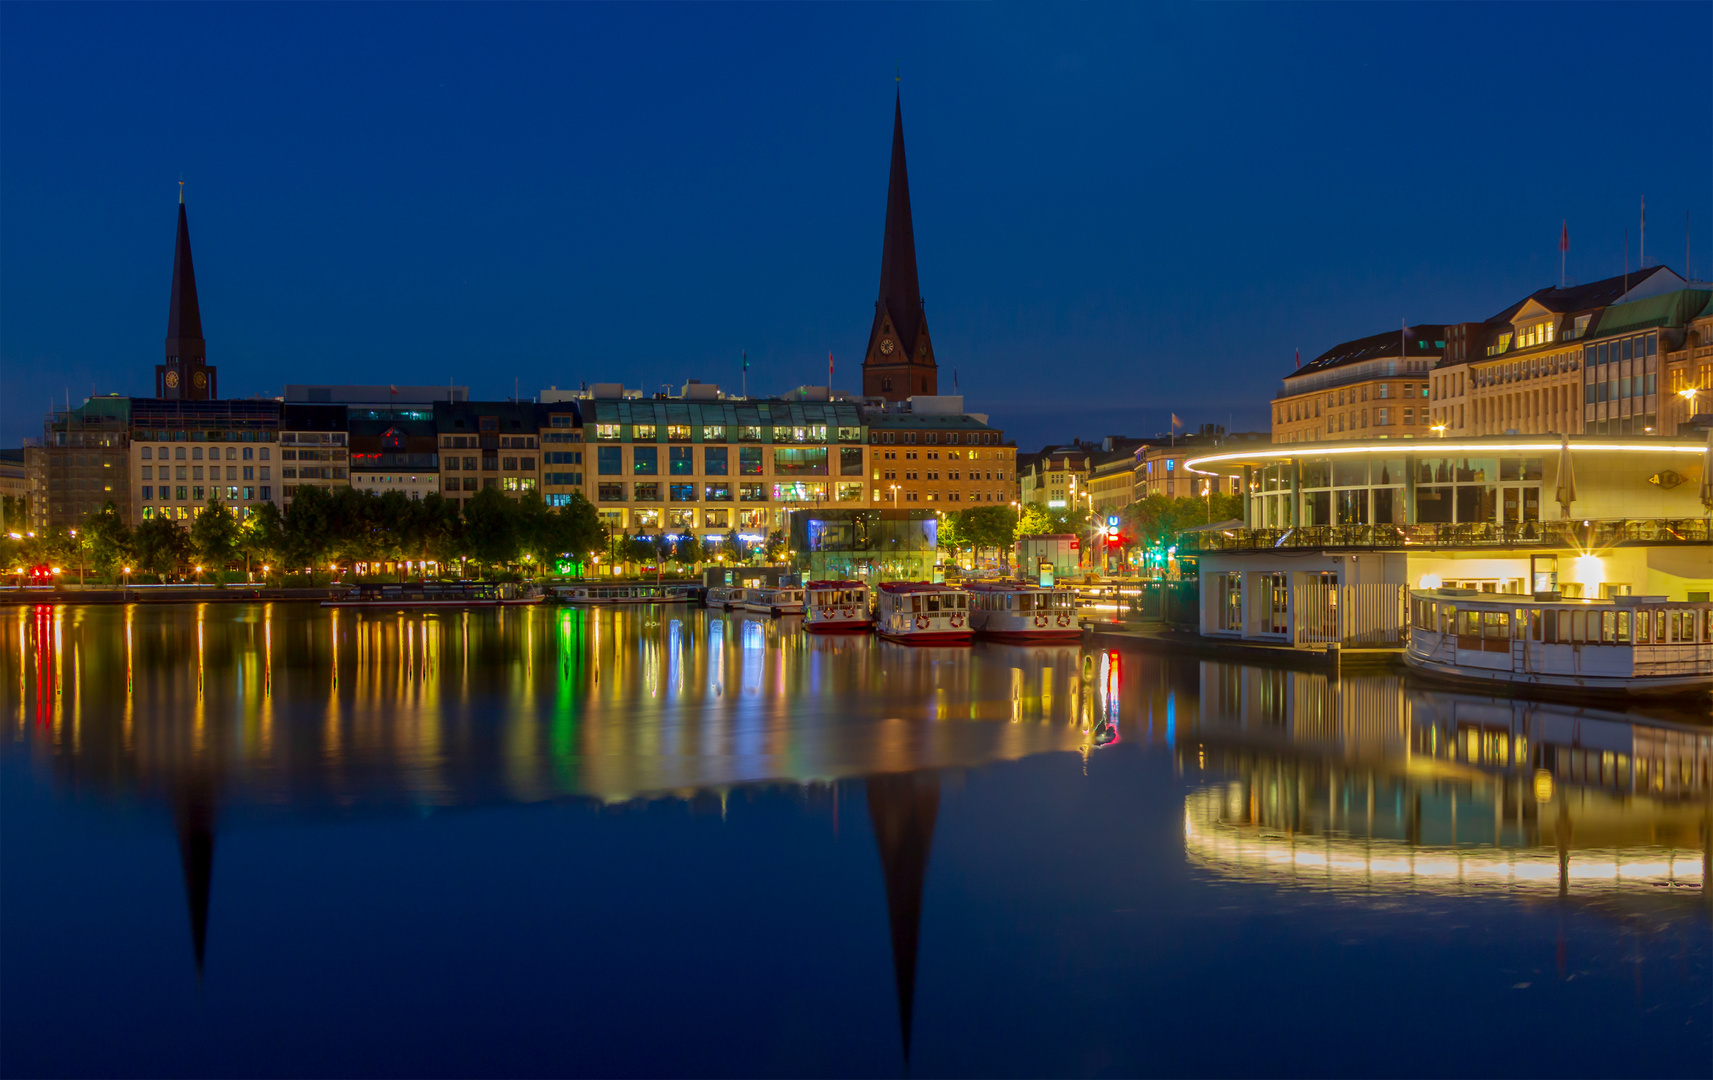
{"x":1707,"y":474}
{"x":1566,"y":478}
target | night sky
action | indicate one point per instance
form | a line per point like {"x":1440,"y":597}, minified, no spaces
{"x":1121,"y":212}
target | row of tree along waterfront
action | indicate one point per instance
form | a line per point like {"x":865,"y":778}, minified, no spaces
{"x":324,"y":529}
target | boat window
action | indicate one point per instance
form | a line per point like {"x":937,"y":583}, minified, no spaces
{"x":1535,"y":623}
{"x":1494,"y":625}
{"x":1025,"y":603}
{"x":1623,"y":628}
{"x":1519,"y":625}
{"x":1608,"y":627}
{"x":1644,"y":627}
{"x":1579,"y":627}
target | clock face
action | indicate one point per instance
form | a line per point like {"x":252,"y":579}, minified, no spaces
{"x":200,"y":379}
{"x":172,"y":378}
{"x":886,"y":347}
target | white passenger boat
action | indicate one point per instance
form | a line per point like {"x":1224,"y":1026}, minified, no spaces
{"x":1625,"y":645}
{"x":595,"y":593}
{"x":723,"y":597}
{"x":1013,"y":611}
{"x":836,"y":607}
{"x":777,"y":600}
{"x":922,"y":613}
{"x":434,"y":594}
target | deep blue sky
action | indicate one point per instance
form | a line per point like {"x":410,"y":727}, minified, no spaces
{"x":1121,"y":212}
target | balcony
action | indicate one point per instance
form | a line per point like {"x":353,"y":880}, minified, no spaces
{"x":1531,"y":534}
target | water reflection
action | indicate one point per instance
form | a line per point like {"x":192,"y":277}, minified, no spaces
{"x":1372,"y":784}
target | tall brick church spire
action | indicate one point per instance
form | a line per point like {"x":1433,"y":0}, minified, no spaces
{"x":899,"y":360}
{"x":186,"y":375}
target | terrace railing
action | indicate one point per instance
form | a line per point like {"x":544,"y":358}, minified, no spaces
{"x":1567,"y":534}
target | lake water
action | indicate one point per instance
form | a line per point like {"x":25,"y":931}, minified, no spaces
{"x":274,"y":839}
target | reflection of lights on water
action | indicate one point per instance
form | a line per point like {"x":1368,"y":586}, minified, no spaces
{"x":1248,"y":850}
{"x":1543,"y":786}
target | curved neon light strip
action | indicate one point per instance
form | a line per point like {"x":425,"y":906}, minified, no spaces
{"x":1438,"y":448}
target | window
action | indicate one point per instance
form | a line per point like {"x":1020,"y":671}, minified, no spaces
{"x":610,"y":493}
{"x":265,"y":493}
{"x":149,"y":492}
{"x":566,"y":457}
{"x":645,"y":492}
{"x":850,"y":461}
{"x":196,"y":494}
{"x":180,"y":493}
{"x":488,"y":423}
{"x":677,"y":432}
{"x":717,"y":492}
{"x":526,"y":464}
{"x":752,"y":492}
{"x":850,"y":434}
{"x":848,"y":493}
{"x":749,"y":461}
{"x":564,"y":479}
{"x":490,"y":462}
{"x":682,"y":459}
{"x":644,"y":433}
{"x":800,"y":491}
{"x":645,"y":460}
{"x":605,"y":432}
{"x":682,"y":492}
{"x":749,"y":433}
{"x":646,"y":519}
{"x":510,"y":483}
{"x":801,"y":461}
{"x":713,"y":433}
{"x":716,"y":519}
{"x":609,"y":460}
{"x":714,"y":460}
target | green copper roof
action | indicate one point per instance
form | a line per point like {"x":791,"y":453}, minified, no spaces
{"x":1672,"y":309}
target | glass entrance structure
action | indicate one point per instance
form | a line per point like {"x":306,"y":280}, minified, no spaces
{"x":864,"y":545}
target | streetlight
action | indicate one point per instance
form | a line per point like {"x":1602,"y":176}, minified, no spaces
{"x":127,"y":588}
{"x":1439,"y":428}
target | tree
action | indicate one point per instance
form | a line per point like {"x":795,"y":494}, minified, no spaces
{"x":490,"y":528}
{"x":440,"y":531}
{"x":214,"y":535}
{"x":262,"y":536}
{"x":990,"y":527}
{"x":308,"y":527}
{"x":159,"y":545}
{"x":106,"y":539}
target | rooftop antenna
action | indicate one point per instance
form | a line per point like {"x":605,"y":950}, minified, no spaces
{"x":1626,"y":260}
{"x":1642,"y":243}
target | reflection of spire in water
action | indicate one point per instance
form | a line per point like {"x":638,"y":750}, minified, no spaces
{"x":903,"y":807}
{"x":196,"y":852}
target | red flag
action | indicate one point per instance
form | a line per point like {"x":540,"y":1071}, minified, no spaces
{"x":1299,"y":356}
{"x":829,"y":368}
{"x":1564,"y":236}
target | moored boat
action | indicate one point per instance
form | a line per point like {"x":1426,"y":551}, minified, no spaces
{"x":922,"y":613}
{"x":723,"y":597}
{"x":435,"y":594}
{"x":1013,"y":611}
{"x":779,"y":600}
{"x":1624,"y":645}
{"x":836,"y":607}
{"x":596,"y":593}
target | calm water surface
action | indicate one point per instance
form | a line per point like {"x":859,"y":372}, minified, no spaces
{"x":277,"y":840}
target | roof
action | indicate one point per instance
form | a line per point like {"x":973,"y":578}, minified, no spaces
{"x":1581,"y":297}
{"x":518,"y":416}
{"x":835,"y":585}
{"x":900,"y":291}
{"x":910,"y":421}
{"x":1672,"y":309}
{"x":915,"y":587}
{"x":1424,"y":340}
{"x":295,"y":416}
{"x":184,"y":314}
{"x":770,"y":412}
{"x":152,"y":412}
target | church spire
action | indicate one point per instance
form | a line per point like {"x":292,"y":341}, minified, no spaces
{"x":185,"y":375}
{"x":900,"y":359}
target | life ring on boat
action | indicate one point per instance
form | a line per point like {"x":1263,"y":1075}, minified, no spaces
{"x":846,"y":612}
{"x":1040,"y":620}
{"x":826,"y":613}
{"x":921,"y":622}
{"x":957,"y":621}
{"x":1064,"y":620}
